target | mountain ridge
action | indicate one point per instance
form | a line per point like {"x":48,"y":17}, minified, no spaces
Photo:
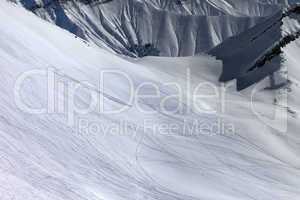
{"x":248,"y":57}
{"x":173,"y":29}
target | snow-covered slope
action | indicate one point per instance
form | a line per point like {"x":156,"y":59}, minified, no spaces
{"x":255,"y":54}
{"x":219,"y":7}
{"x":174,"y":27}
{"x":56,"y":155}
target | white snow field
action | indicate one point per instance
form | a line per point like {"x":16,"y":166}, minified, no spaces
{"x":54,"y":155}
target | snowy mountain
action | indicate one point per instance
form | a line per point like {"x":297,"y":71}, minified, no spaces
{"x":58,"y":140}
{"x":155,"y":27}
{"x":257,"y":53}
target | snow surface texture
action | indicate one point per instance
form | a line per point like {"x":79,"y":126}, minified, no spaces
{"x":43,"y":157}
{"x":174,"y":27}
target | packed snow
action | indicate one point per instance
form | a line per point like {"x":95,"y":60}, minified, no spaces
{"x":64,"y":153}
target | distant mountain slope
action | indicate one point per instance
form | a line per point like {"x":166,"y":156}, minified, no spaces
{"x":256,"y":53}
{"x":218,"y":7}
{"x":152,"y":27}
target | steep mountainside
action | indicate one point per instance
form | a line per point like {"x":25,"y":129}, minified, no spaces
{"x":257,"y":53}
{"x":154,"y":27}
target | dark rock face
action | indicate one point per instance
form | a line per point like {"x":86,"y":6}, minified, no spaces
{"x":144,"y":50}
{"x":256,"y":53}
